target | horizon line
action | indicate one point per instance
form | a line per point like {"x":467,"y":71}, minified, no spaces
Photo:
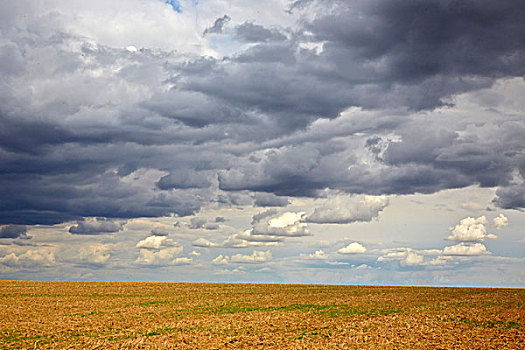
{"x":272,"y":283}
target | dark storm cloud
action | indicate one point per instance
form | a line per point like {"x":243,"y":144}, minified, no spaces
{"x":217,"y":26}
{"x":298,"y":170}
{"x":375,"y":54}
{"x":87,"y":130}
{"x":96,"y":226}
{"x":263,"y":215}
{"x":14,"y":231}
{"x":240,"y":198}
{"x":488,"y":162}
{"x":55,"y":198}
{"x":184,"y":179}
{"x":299,"y":4}
{"x":278,"y":91}
{"x":419,"y":39}
{"x":511,"y":197}
{"x":194,"y":109}
{"x":262,"y":199}
{"x":54,"y":171}
{"x":512,"y":194}
{"x":251,"y":32}
{"x":267,"y":53}
{"x":428,"y":157}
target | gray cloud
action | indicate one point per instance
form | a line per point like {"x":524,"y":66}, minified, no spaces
{"x":344,"y":210}
{"x":96,"y":226}
{"x":262,"y":199}
{"x":31,"y":259}
{"x":93,"y":256}
{"x":299,"y":4}
{"x":14,"y":231}
{"x":376,"y":54}
{"x":217,"y":26}
{"x":511,"y":196}
{"x":196,"y":223}
{"x":184,"y":179}
{"x":419,"y":39}
{"x":263,"y":215}
{"x":90,"y":130}
{"x":250,"y":32}
{"x":160,"y":231}
{"x":202,"y":223}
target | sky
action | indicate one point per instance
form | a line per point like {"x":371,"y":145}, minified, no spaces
{"x":377,"y":142}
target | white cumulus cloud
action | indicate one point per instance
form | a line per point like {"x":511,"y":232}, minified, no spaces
{"x":164,"y":256}
{"x":470,"y":230}
{"x":288,"y":224}
{"x":182,"y":261}
{"x":352,"y":248}
{"x":236,"y":271}
{"x":29,"y":259}
{"x":256,"y":257}
{"x":466,"y":249}
{"x":318,"y":255}
{"x":156,"y":242}
{"x":221,"y":260}
{"x":405,"y":256}
{"x":413,"y":259}
{"x":500,"y":221}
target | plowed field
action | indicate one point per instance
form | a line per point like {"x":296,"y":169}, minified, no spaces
{"x":84,"y":315}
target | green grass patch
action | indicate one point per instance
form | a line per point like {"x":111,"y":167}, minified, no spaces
{"x":153,"y":303}
{"x":332,"y":310}
{"x":316,"y":332}
{"x":17,"y":337}
{"x":486,"y":324}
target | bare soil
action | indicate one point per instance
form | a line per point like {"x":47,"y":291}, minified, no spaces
{"x":116,"y":315}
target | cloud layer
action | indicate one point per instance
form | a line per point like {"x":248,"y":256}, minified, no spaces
{"x":195,"y":126}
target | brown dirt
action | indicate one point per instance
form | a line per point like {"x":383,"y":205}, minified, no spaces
{"x":86,"y":315}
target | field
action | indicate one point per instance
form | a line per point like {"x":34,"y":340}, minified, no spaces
{"x":84,"y":315}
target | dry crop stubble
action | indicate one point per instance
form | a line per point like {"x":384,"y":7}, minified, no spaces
{"x":113,"y":315}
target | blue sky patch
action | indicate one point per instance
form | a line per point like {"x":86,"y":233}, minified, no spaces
{"x":175,"y":5}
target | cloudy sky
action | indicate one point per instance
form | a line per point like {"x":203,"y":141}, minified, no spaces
{"x":309,"y":141}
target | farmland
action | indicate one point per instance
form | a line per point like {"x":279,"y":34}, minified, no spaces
{"x":105,"y":315}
